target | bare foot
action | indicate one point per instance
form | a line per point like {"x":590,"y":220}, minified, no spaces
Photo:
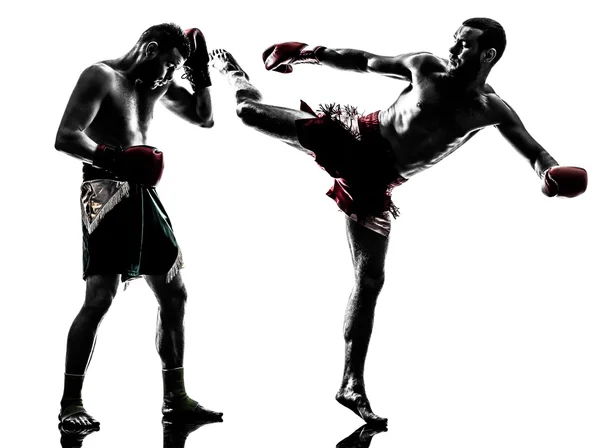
{"x":74,"y":416}
{"x":359,"y":404}
{"x":184,"y":409}
{"x":361,"y":438}
{"x":225,"y":63}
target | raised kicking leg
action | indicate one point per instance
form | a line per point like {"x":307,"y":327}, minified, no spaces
{"x":275,"y":121}
{"x":368,"y":250}
{"x":172,"y":297}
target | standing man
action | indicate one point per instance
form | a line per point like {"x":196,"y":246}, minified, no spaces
{"x":446,"y":102}
{"x":126,"y":230}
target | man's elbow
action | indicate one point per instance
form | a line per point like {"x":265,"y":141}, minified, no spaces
{"x":206,"y":121}
{"x":60,"y":143}
{"x":66,"y":141}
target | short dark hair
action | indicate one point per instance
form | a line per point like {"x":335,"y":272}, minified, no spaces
{"x":167,"y":36}
{"x":493,"y":35}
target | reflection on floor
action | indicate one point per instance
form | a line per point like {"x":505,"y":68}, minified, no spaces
{"x":73,"y":438}
{"x":361,"y":438}
{"x":176,"y":434}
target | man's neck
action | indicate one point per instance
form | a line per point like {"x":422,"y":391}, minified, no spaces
{"x":129,"y":64}
{"x":463,"y":84}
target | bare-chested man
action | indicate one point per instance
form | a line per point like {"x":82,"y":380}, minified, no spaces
{"x":126,"y":231}
{"x":445,"y":104}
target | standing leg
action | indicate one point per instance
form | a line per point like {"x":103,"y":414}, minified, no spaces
{"x":100,"y":291}
{"x":275,"y":121}
{"x":368,"y":250}
{"x":170,"y":343}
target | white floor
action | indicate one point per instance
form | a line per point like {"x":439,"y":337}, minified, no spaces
{"x":468,"y":349}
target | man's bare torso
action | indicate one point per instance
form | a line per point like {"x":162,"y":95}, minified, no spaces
{"x":126,"y":111}
{"x":433,"y":117}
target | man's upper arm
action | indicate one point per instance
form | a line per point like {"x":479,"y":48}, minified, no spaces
{"x":196,"y":109}
{"x":84,"y":103}
{"x":178,"y":100}
{"x":512,"y":129}
{"x":400,"y":66}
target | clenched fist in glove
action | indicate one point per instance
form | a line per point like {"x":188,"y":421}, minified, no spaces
{"x":281,"y":57}
{"x":139,"y":164}
{"x":566,"y":181}
{"x":196,"y":65}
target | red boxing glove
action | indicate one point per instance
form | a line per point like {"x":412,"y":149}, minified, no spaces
{"x":281,"y":57}
{"x":196,"y":65}
{"x":566,"y":181}
{"x":140,"y":164}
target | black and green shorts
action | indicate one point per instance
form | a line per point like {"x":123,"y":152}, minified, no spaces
{"x":126,"y":231}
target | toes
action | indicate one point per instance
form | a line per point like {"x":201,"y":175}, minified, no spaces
{"x":76,"y":431}
{"x":375,"y":420}
{"x":369,"y":430}
{"x":81,"y":421}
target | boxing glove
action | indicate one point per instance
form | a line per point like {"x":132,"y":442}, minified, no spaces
{"x":281,"y":57}
{"x":139,"y":164}
{"x":196,"y":65}
{"x":565,"y":181}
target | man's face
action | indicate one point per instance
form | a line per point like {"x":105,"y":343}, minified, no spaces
{"x":464,"y":58}
{"x":157,"y":70}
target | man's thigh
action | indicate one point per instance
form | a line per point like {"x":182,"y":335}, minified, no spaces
{"x":368,"y":249}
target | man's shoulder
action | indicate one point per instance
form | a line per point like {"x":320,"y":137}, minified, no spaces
{"x":98,"y":72}
{"x":98,"y":78}
{"x":424,"y":59}
{"x":493,"y":99}
{"x":497,"y":107}
{"x":425,"y":64}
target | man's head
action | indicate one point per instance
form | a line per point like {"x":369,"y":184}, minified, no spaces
{"x":163,"y":49}
{"x":479,"y":42}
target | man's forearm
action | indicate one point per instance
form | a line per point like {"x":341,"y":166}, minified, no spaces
{"x":204,"y":108}
{"x":76,"y":144}
{"x":543,"y":162}
{"x":344,"y":59}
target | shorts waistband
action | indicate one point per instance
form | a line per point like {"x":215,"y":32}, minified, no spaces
{"x":369,"y":124}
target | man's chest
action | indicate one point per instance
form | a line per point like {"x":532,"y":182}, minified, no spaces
{"x":431,"y":106}
{"x":133,"y":106}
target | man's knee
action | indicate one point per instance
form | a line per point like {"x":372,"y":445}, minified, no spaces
{"x":172,"y":303}
{"x":369,"y":283}
{"x":100,"y":292}
{"x":248,"y":113}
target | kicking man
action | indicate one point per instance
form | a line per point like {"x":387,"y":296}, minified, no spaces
{"x":446,"y":102}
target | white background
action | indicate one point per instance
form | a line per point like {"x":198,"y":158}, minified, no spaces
{"x":487,"y":328}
